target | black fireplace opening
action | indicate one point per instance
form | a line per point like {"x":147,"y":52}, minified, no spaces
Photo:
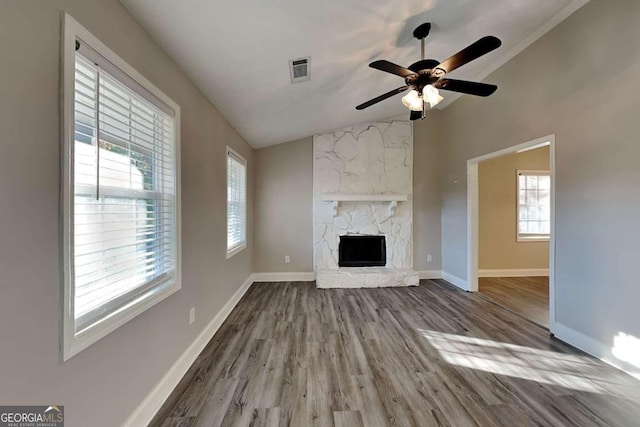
{"x":362,"y":251}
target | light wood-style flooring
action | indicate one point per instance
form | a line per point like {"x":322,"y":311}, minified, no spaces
{"x":293,"y":355}
{"x":527,"y":296}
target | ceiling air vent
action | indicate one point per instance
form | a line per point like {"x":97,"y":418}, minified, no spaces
{"x":299,"y":69}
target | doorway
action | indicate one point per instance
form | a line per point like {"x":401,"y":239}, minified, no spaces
{"x":511,"y":257}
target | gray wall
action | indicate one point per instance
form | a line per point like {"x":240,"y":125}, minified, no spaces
{"x":283,"y":207}
{"x":284,"y":191}
{"x":427,"y":146}
{"x":102,"y":385}
{"x":579,"y":81}
{"x":498,"y":246}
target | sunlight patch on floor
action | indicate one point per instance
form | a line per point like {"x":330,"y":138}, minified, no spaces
{"x":573,"y":372}
{"x":627,"y":348}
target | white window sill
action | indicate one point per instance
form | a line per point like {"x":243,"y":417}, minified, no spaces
{"x":525,"y":239}
{"x":76,"y":342}
{"x":237,"y":249}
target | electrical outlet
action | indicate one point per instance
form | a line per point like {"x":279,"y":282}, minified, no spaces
{"x":287,"y":260}
{"x":192,"y":315}
{"x":428,"y":258}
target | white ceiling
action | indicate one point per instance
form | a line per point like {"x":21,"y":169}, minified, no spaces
{"x":237,"y":52}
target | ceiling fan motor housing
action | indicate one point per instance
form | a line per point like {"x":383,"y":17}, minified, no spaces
{"x":423,"y":75}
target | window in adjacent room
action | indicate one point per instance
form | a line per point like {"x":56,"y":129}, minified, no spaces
{"x":121,"y":198}
{"x":236,"y":203}
{"x":534,"y":205}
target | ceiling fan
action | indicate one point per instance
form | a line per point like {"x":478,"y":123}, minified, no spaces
{"x":426,"y":76}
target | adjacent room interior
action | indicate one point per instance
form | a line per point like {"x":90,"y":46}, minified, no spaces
{"x":514,"y":197}
{"x":336,"y":213}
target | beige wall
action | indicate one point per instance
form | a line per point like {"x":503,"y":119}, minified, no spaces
{"x":103,"y":384}
{"x":283,"y":207}
{"x":498,"y":212}
{"x":579,"y":82}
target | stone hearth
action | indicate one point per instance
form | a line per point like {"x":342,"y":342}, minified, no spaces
{"x":366,"y":277}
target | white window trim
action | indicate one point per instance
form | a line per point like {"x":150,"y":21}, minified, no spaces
{"x":72,"y":343}
{"x":236,"y":249}
{"x":242,"y":245}
{"x":532,"y":237}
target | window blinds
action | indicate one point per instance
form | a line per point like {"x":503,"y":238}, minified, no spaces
{"x":534,"y":203}
{"x":124,"y":198}
{"x":236,"y":201}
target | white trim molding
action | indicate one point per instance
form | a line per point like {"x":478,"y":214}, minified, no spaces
{"x":473,"y":209}
{"x":145,"y":412}
{"x":595,"y":348}
{"x":529,"y":237}
{"x":149,"y":407}
{"x":72,"y":342}
{"x":430,"y":274}
{"x":515,"y":272}
{"x":456,"y":281}
{"x":237,"y":157}
{"x":284,"y":277}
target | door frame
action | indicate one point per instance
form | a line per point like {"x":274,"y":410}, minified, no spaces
{"x":473,"y":213}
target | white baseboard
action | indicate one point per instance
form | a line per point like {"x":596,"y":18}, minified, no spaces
{"x":517,"y":272}
{"x":284,"y":277}
{"x":593,"y":347}
{"x":456,"y":281}
{"x":145,"y":412}
{"x":430,"y":274}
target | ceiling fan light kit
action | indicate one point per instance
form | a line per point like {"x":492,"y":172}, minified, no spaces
{"x":412,"y":100}
{"x":425,"y":77}
{"x":431,"y":95}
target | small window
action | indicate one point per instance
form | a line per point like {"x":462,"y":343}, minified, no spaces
{"x":121,"y":192}
{"x":236,"y":203}
{"x":534,"y":205}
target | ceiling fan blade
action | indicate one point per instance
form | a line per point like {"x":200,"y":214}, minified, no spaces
{"x":381,"y":97}
{"x":415,"y":115}
{"x":392,"y":68}
{"x":468,"y":54}
{"x":462,"y":86}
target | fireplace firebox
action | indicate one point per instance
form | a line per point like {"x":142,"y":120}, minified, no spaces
{"x":362,"y":251}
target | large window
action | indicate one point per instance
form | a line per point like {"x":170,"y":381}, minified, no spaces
{"x":121,"y":204}
{"x":534,"y":205}
{"x":236,"y":203}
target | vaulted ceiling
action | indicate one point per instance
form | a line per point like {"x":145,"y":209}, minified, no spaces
{"x":237,"y":52}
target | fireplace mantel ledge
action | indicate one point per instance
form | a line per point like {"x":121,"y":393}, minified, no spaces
{"x":391,"y":198}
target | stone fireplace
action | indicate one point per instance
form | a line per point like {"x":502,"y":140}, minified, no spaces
{"x":363,"y":182}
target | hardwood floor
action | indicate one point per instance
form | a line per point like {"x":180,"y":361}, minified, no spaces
{"x":527,"y":296}
{"x":293,"y":355}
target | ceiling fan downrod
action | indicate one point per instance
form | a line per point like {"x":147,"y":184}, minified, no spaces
{"x":421,"y":32}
